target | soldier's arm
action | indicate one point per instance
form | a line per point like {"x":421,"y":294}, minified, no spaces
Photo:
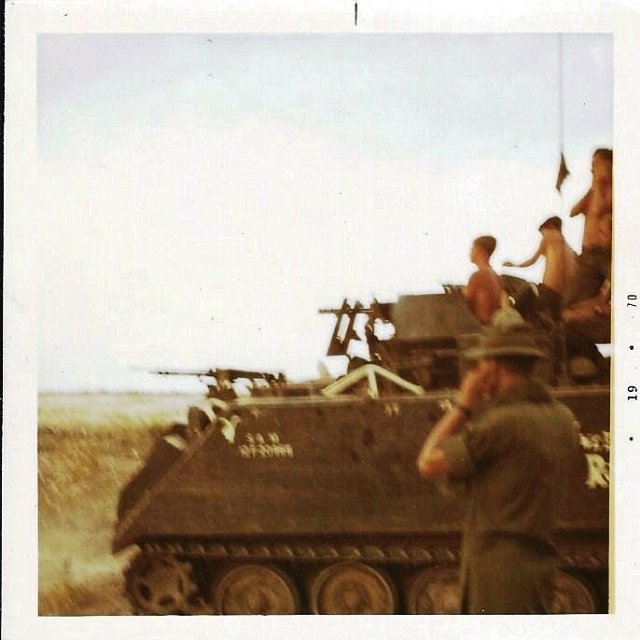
{"x":527,"y":263}
{"x":432,"y":460}
{"x":581,"y":205}
{"x":585,"y":310}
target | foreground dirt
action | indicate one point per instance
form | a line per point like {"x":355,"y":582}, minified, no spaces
{"x":88,"y":447}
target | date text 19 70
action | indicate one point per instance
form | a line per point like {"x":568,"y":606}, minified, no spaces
{"x":632,"y":390}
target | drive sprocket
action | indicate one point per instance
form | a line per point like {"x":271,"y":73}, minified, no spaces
{"x":159,"y":584}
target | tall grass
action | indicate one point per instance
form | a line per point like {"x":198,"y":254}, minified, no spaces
{"x":79,"y":411}
{"x":89,"y":445}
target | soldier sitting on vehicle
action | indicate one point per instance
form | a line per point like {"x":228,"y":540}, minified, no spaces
{"x":587,"y":316}
{"x":484,"y":291}
{"x":594,"y":263}
{"x":559,"y":267}
{"x":586,"y":324}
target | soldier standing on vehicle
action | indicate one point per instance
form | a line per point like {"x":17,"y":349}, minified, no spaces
{"x":484,"y":291}
{"x":559,"y":267}
{"x":594,"y":263}
{"x":512,"y":443}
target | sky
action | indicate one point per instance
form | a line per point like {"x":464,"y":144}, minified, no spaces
{"x":201,"y":196}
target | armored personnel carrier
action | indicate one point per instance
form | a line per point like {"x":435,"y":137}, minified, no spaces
{"x":305,"y":498}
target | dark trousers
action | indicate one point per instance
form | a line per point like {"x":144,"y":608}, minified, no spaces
{"x":549,"y":300}
{"x":593,"y":268}
{"x":579,"y":345}
{"x":509,"y":577}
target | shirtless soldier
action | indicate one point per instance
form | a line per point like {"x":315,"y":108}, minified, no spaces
{"x":484,"y":290}
{"x":512,"y":442}
{"x":559,"y":268}
{"x":594,"y":264}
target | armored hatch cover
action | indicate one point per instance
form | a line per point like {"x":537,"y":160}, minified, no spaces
{"x":419,"y":317}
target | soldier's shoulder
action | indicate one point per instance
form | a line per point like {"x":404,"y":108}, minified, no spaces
{"x":562,"y":408}
{"x":566,"y":419}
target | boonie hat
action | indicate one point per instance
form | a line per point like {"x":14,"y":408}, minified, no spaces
{"x":514,"y":339}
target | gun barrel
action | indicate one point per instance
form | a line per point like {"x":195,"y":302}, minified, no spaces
{"x":185,"y":373}
{"x":347,"y":310}
{"x":231,"y":374}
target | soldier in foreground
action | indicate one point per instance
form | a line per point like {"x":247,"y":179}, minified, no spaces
{"x":512,"y":443}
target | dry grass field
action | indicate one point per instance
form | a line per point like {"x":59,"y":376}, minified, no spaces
{"x":89,"y":445}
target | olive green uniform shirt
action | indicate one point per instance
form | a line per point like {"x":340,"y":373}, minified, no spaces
{"x":515,"y":455}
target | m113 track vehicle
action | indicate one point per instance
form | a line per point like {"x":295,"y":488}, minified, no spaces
{"x":305,"y":498}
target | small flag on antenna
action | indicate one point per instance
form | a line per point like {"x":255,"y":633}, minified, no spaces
{"x":563,"y":172}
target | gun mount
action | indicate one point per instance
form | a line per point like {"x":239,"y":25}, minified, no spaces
{"x":426,"y":336}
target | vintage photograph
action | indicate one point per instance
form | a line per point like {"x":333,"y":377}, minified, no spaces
{"x":318,"y":320}
{"x":324,"y":323}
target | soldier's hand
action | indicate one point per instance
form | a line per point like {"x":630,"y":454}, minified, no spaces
{"x":476,"y":383}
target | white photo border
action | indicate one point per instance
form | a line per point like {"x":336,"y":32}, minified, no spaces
{"x":25,"y":20}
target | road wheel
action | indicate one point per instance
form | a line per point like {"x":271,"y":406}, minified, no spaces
{"x":159,"y":584}
{"x":434,"y":590}
{"x":352,"y":588}
{"x":572,"y":595}
{"x":255,"y":589}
